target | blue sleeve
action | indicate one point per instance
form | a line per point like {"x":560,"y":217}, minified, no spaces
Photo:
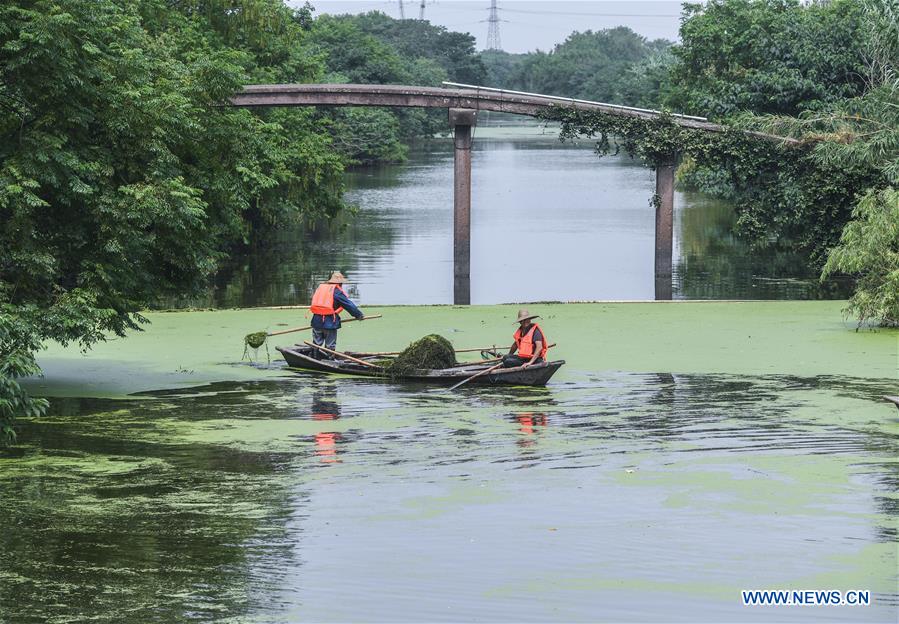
{"x":344,"y":302}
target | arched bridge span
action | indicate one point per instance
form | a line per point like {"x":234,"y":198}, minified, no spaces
{"x":464,"y":102}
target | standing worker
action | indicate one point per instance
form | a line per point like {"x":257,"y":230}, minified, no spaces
{"x":327,"y":303}
{"x":530,"y":343}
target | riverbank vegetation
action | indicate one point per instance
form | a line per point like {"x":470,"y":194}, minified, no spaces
{"x":823,"y":74}
{"x":122,"y":180}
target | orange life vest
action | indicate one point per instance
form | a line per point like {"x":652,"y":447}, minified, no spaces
{"x":323,"y":300}
{"x":526,"y":343}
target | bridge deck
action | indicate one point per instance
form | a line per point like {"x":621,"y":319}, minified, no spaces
{"x":437,"y":97}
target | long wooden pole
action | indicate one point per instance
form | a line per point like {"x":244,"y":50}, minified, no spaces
{"x":377,"y":353}
{"x":476,"y":375}
{"x":493,"y":348}
{"x":296,"y":329}
{"x":339,"y":354}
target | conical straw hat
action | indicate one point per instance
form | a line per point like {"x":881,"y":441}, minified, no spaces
{"x":524,"y":315}
{"x":337,"y":278}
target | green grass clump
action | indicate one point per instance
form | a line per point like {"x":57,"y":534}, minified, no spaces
{"x":432,"y":351}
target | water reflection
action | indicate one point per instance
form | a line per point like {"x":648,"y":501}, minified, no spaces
{"x":326,"y":408}
{"x":625,"y":490}
{"x":712,"y":263}
{"x":529,"y":425}
{"x":588,"y":219}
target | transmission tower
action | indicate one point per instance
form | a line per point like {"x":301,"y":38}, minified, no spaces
{"x":402,"y":11}
{"x":421,"y":11}
{"x":493,"y":40}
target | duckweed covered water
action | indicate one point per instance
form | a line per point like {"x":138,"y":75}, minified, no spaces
{"x":613,"y":494}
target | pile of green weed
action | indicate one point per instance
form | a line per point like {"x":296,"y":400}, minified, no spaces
{"x":255,"y":339}
{"x":432,"y":351}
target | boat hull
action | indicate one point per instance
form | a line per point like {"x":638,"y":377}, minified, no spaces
{"x":300,"y":358}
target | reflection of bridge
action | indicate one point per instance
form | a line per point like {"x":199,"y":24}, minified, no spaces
{"x":463,"y":103}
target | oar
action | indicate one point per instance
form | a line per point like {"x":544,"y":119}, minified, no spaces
{"x":339,"y":354}
{"x":484,"y":372}
{"x":296,"y":329}
{"x":257,"y":339}
{"x":477,"y":363}
{"x":476,"y":375}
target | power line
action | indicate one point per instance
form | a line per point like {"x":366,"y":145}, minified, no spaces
{"x":581,"y":14}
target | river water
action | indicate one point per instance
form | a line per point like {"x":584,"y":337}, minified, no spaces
{"x":616,"y":497}
{"x":550,"y":222}
{"x":687,"y":451}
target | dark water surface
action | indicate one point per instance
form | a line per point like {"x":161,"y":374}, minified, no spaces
{"x":605,"y":497}
{"x":550,"y":222}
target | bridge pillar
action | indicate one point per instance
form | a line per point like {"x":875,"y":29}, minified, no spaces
{"x":462,"y":120}
{"x":664,"y":202}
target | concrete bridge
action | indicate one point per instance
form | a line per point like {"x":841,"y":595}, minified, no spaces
{"x":464,"y":102}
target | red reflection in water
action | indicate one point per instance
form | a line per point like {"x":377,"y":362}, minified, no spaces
{"x":326,"y":446}
{"x":529,"y":422}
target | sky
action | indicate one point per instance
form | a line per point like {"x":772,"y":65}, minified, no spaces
{"x":527,"y":24}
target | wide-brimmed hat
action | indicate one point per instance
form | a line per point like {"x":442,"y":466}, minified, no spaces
{"x":337,"y":278}
{"x":524,"y":315}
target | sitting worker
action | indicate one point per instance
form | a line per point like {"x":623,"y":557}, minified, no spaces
{"x":530,"y":342}
{"x":327,"y":303}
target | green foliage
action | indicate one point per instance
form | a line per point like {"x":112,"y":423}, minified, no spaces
{"x":862,"y":133}
{"x":613,"y":65}
{"x":646,"y":82}
{"x":122,"y":179}
{"x":767,"y":56}
{"x":373,"y":48}
{"x":453,"y":52}
{"x":17,"y":347}
{"x":357,"y":56}
{"x":431,"y":351}
{"x":869,"y":250}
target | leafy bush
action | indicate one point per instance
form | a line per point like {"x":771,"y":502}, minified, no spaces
{"x":17,"y":346}
{"x":869,"y":250}
{"x":122,"y":177}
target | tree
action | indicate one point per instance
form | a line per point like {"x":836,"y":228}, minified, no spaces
{"x":614,"y":65}
{"x":869,"y":250}
{"x":766,"y":56}
{"x":373,"y":48}
{"x":453,"y":51}
{"x":741,"y":59}
{"x":863,"y":133}
{"x":122,"y":178}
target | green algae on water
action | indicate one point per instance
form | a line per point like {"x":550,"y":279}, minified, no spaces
{"x":805,"y":338}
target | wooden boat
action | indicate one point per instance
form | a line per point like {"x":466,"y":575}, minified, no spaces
{"x":893,"y":399}
{"x":301,"y":357}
